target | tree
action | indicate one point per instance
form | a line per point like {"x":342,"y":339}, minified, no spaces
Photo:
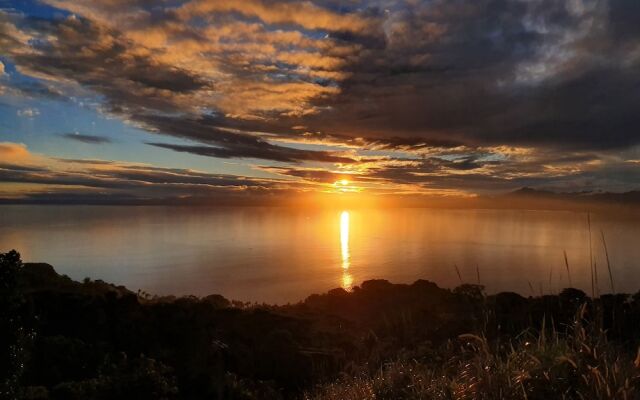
{"x":12,"y":333}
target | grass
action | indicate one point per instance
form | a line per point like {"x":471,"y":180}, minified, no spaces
{"x":566,"y":264}
{"x":592,"y":265}
{"x":606,"y":253}
{"x":549,"y":364}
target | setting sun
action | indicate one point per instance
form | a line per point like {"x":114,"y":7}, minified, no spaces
{"x":344,"y":186}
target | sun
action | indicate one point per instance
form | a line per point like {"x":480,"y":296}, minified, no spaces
{"x":343,"y":185}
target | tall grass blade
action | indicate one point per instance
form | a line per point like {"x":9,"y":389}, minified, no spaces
{"x":566,"y":264}
{"x":458,"y":272}
{"x":606,"y":253}
{"x":593,"y":287}
{"x":478,"y":273}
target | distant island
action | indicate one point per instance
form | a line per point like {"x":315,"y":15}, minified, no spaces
{"x":523,"y":198}
{"x":94,"y":340}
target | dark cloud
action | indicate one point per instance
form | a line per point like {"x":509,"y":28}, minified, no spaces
{"x":73,"y":196}
{"x":62,"y":178}
{"x":415,"y":143}
{"x":155,"y":175}
{"x":624,"y":14}
{"x":85,"y":161}
{"x":264,"y":151}
{"x":102,"y":59}
{"x":117,"y":183}
{"x":140,"y":181}
{"x":99,"y":59}
{"x":315,"y":175}
{"x":413,"y":171}
{"x":495,"y":72}
{"x":84,"y":138}
{"x":476,"y":176}
{"x":227,"y":142}
{"x":20,"y":168}
{"x":32,"y":89}
{"x":456,"y":79}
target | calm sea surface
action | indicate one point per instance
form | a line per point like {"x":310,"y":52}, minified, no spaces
{"x":280,"y":255}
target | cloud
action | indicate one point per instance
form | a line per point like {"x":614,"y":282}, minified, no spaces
{"x":489,"y":73}
{"x":20,"y":168}
{"x":32,"y":90}
{"x":228,"y":139}
{"x":9,"y":149}
{"x":483,"y":171}
{"x":110,"y":181}
{"x":88,"y":139}
{"x":28,"y":112}
{"x":138,"y":85}
{"x":309,"y":174}
{"x":305,"y":14}
{"x":58,"y":180}
{"x":264,"y":151}
{"x":448,"y":87}
{"x":85,"y":161}
{"x":18,"y":154}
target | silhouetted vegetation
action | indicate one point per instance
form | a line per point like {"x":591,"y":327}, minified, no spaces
{"x":94,"y":340}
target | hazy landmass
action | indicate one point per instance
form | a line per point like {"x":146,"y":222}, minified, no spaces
{"x":94,"y":340}
{"x":524,"y":198}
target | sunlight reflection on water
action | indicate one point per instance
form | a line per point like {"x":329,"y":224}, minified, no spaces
{"x":279,"y":255}
{"x":347,"y":279}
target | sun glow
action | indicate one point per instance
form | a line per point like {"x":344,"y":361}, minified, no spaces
{"x":344,"y":186}
{"x":347,"y":279}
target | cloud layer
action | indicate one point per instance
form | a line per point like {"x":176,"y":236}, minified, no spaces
{"x":466,"y":96}
{"x":31,"y":177}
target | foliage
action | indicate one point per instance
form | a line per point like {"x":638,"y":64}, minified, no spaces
{"x":94,"y":340}
{"x":14,"y":337}
{"x":578,"y":366}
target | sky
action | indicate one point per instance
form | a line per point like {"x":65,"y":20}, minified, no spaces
{"x":255,"y":100}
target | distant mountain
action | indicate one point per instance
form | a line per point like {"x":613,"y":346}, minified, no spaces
{"x":527,"y":197}
{"x":626,"y":197}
